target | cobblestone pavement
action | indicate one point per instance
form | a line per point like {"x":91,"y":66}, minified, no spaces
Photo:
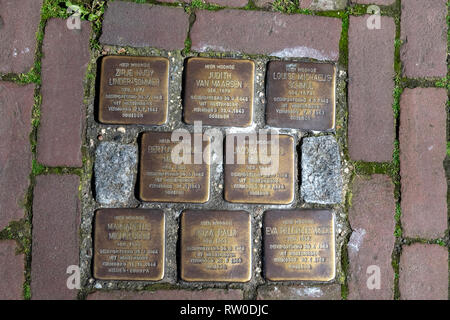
{"x":392,"y":125}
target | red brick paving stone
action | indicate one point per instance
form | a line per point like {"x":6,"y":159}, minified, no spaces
{"x":55,"y":246}
{"x":144,"y":25}
{"x":424,"y":32}
{"x":18,"y":35}
{"x":423,"y":273}
{"x":372,"y":241}
{"x":267,"y":33}
{"x":321,"y":292}
{"x":66,"y":56}
{"x":371,"y":71}
{"x":422,"y":152}
{"x":209,"y":294}
{"x":11,"y":271}
{"x":16,"y":103}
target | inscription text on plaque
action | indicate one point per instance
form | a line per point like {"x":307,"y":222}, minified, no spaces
{"x":301,"y":95}
{"x":299,"y":245}
{"x":133,"y":90}
{"x":216,"y":246}
{"x":219,"y":92}
{"x":163,"y":180}
{"x":129,"y":244}
{"x":249,"y":182}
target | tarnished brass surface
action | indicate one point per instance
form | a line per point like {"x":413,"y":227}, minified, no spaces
{"x":301,"y":95}
{"x":129,"y":244}
{"x":162,"y":180}
{"x":299,"y":245}
{"x":219,"y":92}
{"x":247,"y":183}
{"x":215,"y":246}
{"x":133,"y":90}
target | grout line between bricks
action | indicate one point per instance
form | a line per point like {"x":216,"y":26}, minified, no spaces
{"x":398,"y":89}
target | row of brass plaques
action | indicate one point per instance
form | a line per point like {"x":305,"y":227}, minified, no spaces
{"x":218,"y":92}
{"x":164,"y":180}
{"x":215,"y":245}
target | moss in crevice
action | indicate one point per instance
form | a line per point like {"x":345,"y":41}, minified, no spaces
{"x":370,"y":168}
{"x":398,"y":226}
{"x":357,"y":9}
{"x":397,"y":93}
{"x":343,"y":42}
{"x":395,"y":265}
{"x":201,"y":5}
{"x":251,"y":6}
{"x":443,"y":83}
{"x":443,"y":242}
{"x":285,"y":6}
{"x":425,"y":83}
{"x":188,"y":41}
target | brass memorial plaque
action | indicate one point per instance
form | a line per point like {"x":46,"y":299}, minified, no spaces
{"x":129,"y":244}
{"x":301,"y":95}
{"x":299,"y":245}
{"x":133,"y":90}
{"x":216,"y":246}
{"x":252,"y":181}
{"x":219,"y":92}
{"x":163,"y":180}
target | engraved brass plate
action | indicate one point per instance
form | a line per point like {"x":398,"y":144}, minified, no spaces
{"x":216,"y":246}
{"x":129,"y":244}
{"x":299,"y":245}
{"x":301,"y":95}
{"x":133,"y":90}
{"x":247,"y":182}
{"x":219,"y":92}
{"x":163,"y":180}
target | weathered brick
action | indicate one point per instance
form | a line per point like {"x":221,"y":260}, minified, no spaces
{"x":378,"y":2}
{"x":144,"y":25}
{"x":16,"y":103}
{"x":208,"y":294}
{"x":372,"y":241}
{"x":371,"y":130}
{"x":18,"y":35}
{"x":55,"y":246}
{"x":299,"y":292}
{"x":269,"y":33}
{"x":422,"y":152}
{"x":424,"y":35}
{"x":423,"y":273}
{"x":66,"y":56}
{"x":11,"y":271}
